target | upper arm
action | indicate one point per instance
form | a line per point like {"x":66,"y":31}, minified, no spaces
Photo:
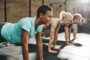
{"x":25,"y":24}
{"x":24,"y":37}
{"x":52,"y":31}
{"x":57,"y":28}
{"x":66,"y":29}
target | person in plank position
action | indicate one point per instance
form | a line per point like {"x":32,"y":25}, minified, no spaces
{"x":26,"y":28}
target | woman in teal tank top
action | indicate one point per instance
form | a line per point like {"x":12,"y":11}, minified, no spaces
{"x":26,"y":28}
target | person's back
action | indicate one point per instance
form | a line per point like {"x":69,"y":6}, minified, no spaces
{"x":12,"y":31}
{"x":54,"y":21}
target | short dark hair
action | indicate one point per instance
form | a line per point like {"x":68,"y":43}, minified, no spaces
{"x":43,"y":9}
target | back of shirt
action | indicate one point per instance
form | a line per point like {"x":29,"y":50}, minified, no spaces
{"x":12,"y":32}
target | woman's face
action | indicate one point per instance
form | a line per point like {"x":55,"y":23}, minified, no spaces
{"x":67,"y":21}
{"x":47,"y":17}
{"x":77,"y":21}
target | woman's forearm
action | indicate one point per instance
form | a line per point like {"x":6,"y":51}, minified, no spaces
{"x":40,"y":50}
{"x":67,"y":35}
{"x":39,"y":46}
{"x":25,"y":52}
{"x":25,"y":38}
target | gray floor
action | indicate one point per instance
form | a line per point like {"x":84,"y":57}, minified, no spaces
{"x":80,"y":50}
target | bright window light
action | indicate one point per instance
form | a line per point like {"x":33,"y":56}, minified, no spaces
{"x":84,"y":1}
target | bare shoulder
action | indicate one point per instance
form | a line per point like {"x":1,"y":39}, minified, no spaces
{"x":54,"y":22}
{"x":54,"y":18}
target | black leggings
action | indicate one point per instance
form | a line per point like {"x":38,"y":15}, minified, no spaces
{"x":1,"y":38}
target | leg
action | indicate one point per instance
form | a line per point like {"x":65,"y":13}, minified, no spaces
{"x":4,"y":41}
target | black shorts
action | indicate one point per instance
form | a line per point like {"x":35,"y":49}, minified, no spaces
{"x":1,"y":38}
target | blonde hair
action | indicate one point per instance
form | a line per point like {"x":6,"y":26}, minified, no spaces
{"x":79,"y":15}
{"x":66,"y":15}
{"x":63,"y":13}
{"x":83,"y":20}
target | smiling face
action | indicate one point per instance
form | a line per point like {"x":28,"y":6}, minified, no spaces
{"x":44,"y":13}
{"x":45,"y":19}
{"x":67,"y":18}
{"x":76,"y":19}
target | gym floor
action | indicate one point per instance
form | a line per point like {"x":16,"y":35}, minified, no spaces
{"x":79,"y":50}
